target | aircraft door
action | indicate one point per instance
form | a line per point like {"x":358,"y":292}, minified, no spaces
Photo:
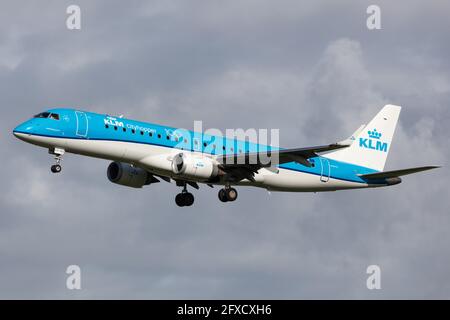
{"x":325,"y":169}
{"x":81,"y":124}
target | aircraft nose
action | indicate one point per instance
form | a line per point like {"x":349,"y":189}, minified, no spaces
{"x":23,"y":128}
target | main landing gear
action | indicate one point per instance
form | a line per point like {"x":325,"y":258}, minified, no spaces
{"x":58,"y":153}
{"x":227,"y":194}
{"x":185,"y":198}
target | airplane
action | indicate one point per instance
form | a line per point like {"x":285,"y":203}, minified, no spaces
{"x":145,"y":153}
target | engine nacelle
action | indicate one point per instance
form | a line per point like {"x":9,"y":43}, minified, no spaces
{"x":127,"y":175}
{"x":189,"y":166}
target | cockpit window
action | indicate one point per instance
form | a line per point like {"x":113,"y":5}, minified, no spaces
{"x":54,"y":116}
{"x":42,"y":115}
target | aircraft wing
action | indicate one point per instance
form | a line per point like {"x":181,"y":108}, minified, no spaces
{"x":245,"y":165}
{"x":395,"y":173}
{"x":273,"y":157}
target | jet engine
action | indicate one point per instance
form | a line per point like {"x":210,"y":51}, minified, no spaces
{"x":189,"y":166}
{"x":127,"y":175}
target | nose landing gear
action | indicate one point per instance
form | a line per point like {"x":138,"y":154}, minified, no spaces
{"x":58,"y":153}
{"x":56,"y":168}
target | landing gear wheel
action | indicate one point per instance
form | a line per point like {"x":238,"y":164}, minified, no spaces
{"x":222,"y":195}
{"x":227,"y":194}
{"x":231,"y":194}
{"x":184,"y":199}
{"x":56,"y":168}
{"x":179,"y":200}
{"x":188,"y":199}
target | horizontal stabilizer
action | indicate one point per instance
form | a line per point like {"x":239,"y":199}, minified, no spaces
{"x":395,"y":173}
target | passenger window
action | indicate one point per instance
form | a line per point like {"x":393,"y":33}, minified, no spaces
{"x":124,"y":129}
{"x":159,"y":136}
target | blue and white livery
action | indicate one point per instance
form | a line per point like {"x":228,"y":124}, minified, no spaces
{"x":145,"y":153}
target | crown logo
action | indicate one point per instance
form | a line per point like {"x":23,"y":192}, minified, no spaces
{"x":374,"y":134}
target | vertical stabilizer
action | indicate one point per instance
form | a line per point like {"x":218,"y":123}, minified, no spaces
{"x":371,"y":145}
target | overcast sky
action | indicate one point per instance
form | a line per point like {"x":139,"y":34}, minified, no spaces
{"x":311,"y":69}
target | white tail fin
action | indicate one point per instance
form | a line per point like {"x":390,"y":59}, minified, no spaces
{"x":371,"y":145}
